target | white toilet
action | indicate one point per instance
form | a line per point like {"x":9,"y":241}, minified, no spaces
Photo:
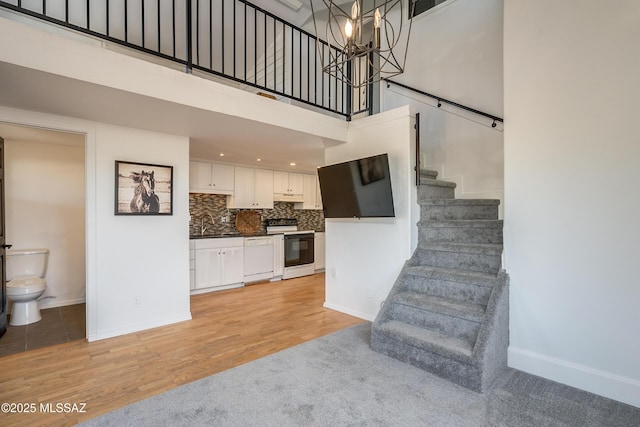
{"x":25,"y":283}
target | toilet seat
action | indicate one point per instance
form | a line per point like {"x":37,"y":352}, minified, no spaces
{"x":25,"y":285}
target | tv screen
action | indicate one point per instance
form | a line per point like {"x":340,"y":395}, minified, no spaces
{"x":357,"y":189}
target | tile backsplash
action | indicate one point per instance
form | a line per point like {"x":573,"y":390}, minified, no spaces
{"x":200,"y":205}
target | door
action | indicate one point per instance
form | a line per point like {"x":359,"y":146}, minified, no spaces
{"x":3,"y":247}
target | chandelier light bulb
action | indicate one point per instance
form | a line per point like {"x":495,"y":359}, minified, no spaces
{"x":348,"y":29}
{"x":355,"y":10}
{"x":377,"y":18}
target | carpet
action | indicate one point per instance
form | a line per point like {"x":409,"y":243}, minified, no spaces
{"x":337,"y":380}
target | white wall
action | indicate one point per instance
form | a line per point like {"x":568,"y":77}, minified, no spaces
{"x":365,"y":256}
{"x":128,"y":256}
{"x":455,"y":51}
{"x":572,"y":174}
{"x":44,"y":206}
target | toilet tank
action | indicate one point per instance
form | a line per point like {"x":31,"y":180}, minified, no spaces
{"x":26,"y":262}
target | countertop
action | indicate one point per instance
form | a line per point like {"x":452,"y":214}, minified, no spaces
{"x":231,"y":235}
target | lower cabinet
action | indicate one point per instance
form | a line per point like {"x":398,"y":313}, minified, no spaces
{"x":278,"y":256}
{"x":219,"y":263}
{"x":319,"y":251}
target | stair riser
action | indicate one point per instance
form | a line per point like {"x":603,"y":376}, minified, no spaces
{"x":462,"y":234}
{"x":443,"y":288}
{"x":445,"y":324}
{"x":460,"y":373}
{"x":461,"y":261}
{"x":427,"y":192}
{"x":439,"y":212}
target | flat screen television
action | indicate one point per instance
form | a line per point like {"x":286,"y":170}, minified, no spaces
{"x":357,"y":189}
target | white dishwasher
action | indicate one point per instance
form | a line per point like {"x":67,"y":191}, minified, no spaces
{"x":258,"y":258}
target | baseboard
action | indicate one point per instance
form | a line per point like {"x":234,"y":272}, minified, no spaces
{"x":606,"y":384}
{"x":349,"y":311}
{"x":55,"y":302}
{"x":137,"y":327}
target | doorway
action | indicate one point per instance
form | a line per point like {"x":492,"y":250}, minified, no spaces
{"x":45,"y":208}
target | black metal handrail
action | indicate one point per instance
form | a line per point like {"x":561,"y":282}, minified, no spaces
{"x":233,"y":39}
{"x":441,"y":100}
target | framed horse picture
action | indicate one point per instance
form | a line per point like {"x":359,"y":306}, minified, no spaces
{"x":143,"y":189}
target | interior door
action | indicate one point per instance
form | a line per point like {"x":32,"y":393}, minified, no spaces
{"x":3,"y":247}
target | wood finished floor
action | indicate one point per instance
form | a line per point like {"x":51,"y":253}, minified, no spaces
{"x":229,"y":328}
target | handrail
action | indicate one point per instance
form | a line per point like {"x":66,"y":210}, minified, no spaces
{"x":416,"y":126}
{"x":277,"y":56}
{"x":441,"y":100}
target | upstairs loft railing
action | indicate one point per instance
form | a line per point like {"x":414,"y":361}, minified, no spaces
{"x":233,"y":39}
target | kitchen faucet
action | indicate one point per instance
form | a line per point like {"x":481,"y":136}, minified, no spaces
{"x":203,"y":228}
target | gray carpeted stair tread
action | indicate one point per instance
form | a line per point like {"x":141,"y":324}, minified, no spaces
{"x":437,"y":183}
{"x":459,"y":202}
{"x":427,"y":173}
{"x":469,"y":223}
{"x":426,"y":339}
{"x":469,"y":277}
{"x":448,"y":306}
{"x":468,"y":248}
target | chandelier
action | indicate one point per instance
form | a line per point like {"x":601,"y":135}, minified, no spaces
{"x":366,"y":40}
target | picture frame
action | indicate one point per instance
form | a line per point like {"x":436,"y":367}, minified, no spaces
{"x":143,"y":189}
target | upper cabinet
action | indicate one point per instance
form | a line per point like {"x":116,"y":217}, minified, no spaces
{"x":288,"y":187}
{"x":253,"y":189}
{"x":311,"y":191}
{"x":212,"y":178}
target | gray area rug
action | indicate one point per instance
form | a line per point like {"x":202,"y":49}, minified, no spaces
{"x":337,"y":380}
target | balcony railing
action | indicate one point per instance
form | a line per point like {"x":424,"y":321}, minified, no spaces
{"x":233,"y":39}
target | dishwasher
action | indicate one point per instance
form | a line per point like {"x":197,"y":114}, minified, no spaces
{"x":258,"y":258}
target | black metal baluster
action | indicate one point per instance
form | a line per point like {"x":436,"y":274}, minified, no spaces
{"x":284,"y":58}
{"x":44,"y":7}
{"x":265,"y":49}
{"x":234,"y":38}
{"x":210,"y":35}
{"x":300,"y":66}
{"x":107,"y":15}
{"x":88,"y":15}
{"x":275,"y":74}
{"x":126,"y":35}
{"x":222,"y":21}
{"x":245,"y":41}
{"x":308,"y":72}
{"x":189,"y":38}
{"x":142,"y":6}
{"x":255,"y":46}
{"x":173,"y":19}
{"x":197,"y":32}
{"x":159,"y":32}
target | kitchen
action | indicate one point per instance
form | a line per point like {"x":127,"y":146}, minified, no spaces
{"x":252,"y":225}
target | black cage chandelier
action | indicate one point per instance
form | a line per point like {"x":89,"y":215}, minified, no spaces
{"x":367,"y":39}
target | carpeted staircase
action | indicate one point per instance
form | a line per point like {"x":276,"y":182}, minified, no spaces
{"x":448,"y":312}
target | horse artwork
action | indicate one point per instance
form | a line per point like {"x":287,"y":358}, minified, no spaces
{"x":143,"y":189}
{"x":144,"y":198}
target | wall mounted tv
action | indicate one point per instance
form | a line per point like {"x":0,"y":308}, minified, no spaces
{"x":357,"y":189}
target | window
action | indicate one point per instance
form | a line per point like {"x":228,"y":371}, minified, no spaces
{"x":424,"y":5}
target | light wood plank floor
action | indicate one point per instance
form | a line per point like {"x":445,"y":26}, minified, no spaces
{"x":229,"y":328}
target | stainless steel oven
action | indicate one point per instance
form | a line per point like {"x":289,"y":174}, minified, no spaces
{"x":298,"y":249}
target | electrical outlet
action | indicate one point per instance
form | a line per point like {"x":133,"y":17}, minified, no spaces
{"x":137,"y":301}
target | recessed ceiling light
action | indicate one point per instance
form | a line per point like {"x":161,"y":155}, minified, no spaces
{"x":292,"y":164}
{"x":258,"y":160}
{"x":221,"y":154}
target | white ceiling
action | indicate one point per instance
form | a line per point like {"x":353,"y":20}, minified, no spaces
{"x":241,"y":140}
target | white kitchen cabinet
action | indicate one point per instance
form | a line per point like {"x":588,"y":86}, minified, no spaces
{"x":288,"y":186}
{"x":319,"y":251}
{"x":253,"y":189}
{"x":212,"y":178}
{"x":192,"y":264}
{"x":311,"y":194}
{"x":219,"y":263}
{"x":278,"y":255}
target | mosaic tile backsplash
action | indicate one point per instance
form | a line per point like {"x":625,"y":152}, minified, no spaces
{"x":200,"y":205}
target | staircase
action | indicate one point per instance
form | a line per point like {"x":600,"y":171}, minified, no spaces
{"x":448,"y":312}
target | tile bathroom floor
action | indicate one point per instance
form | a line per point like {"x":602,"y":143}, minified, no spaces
{"x":58,"y":325}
